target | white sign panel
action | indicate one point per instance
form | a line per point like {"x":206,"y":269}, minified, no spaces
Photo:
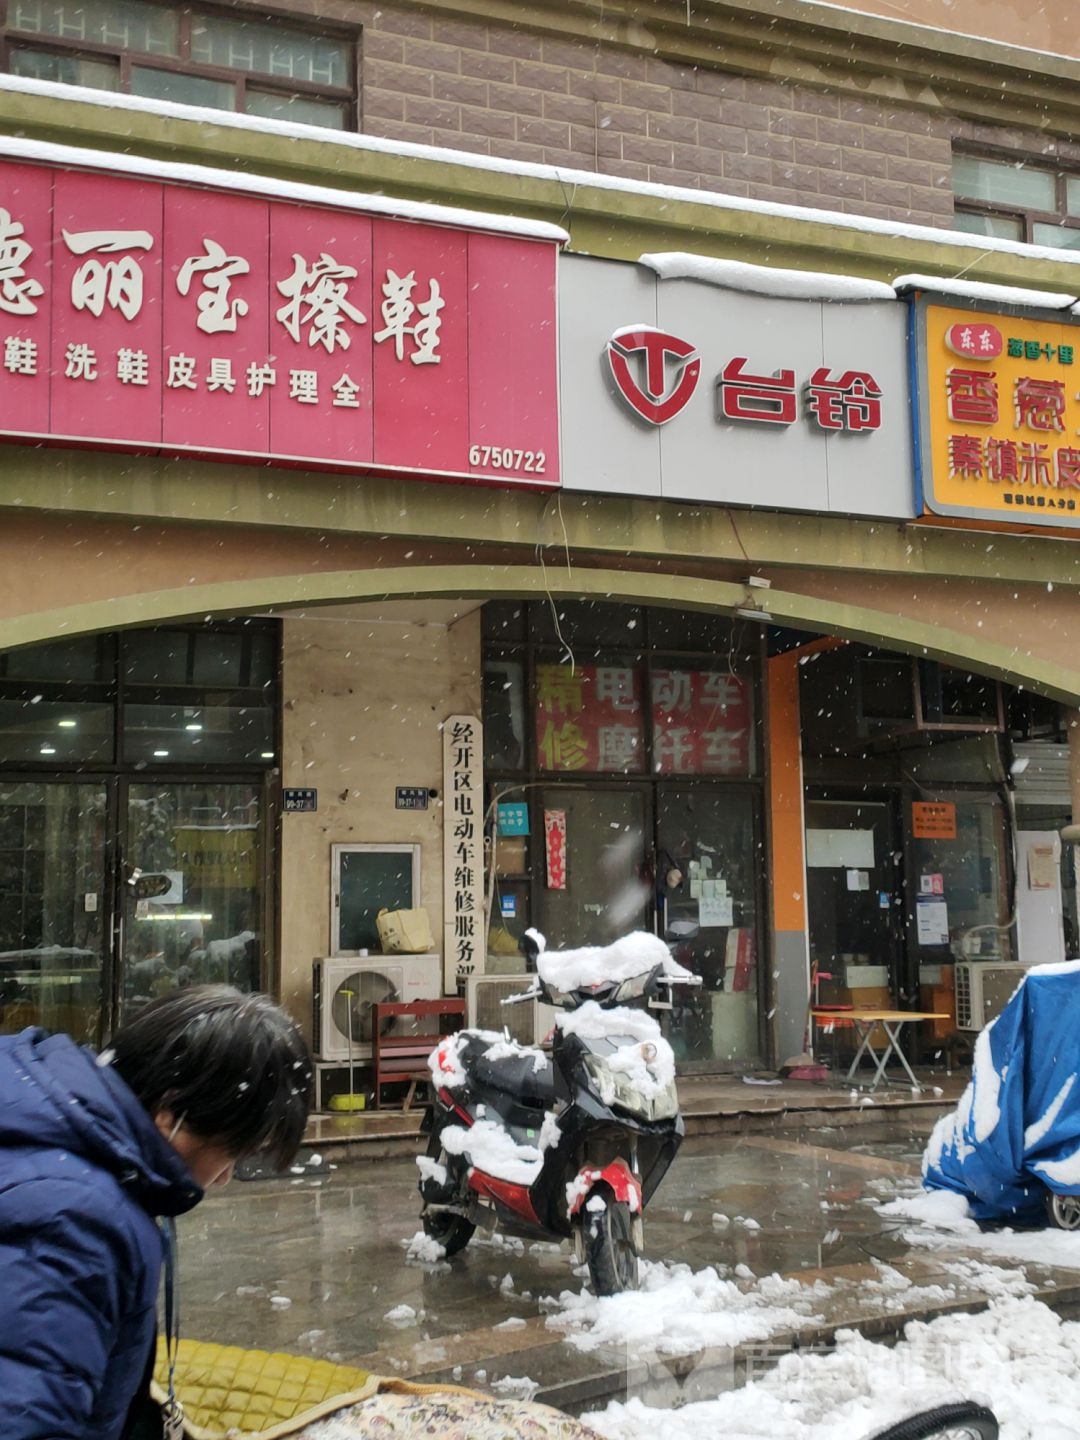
{"x":463,"y":849}
{"x":684,"y":390}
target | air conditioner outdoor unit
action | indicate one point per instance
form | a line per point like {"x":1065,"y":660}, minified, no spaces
{"x":528,"y":1024}
{"x":983,"y":989}
{"x":345,"y":987}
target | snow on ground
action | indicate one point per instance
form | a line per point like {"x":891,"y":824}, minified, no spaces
{"x":940,"y":1220}
{"x":678,"y":1311}
{"x":1017,"y":1356}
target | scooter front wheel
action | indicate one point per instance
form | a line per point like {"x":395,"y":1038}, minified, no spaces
{"x":1063,"y":1210}
{"x":610,"y":1252}
{"x":961,"y":1421}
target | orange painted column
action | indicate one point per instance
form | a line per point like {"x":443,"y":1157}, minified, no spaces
{"x":787,"y":856}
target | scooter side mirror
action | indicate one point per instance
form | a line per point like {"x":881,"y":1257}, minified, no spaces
{"x":530,"y":950}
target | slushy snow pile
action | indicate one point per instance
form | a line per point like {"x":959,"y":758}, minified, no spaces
{"x":1017,"y":1356}
{"x":678,"y":1311}
{"x":941,"y":1220}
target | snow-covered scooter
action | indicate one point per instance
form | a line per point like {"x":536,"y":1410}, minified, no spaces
{"x":567,"y":1144}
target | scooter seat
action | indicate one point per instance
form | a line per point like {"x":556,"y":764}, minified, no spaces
{"x":518,"y":1076}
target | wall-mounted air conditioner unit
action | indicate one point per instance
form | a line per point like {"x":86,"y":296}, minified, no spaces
{"x":983,"y":989}
{"x":345,"y":987}
{"x":528,"y":1024}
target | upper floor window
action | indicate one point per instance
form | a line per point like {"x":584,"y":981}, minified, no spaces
{"x":1017,"y":201}
{"x":252,"y":66}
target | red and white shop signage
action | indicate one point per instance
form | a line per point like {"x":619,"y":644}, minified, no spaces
{"x":142,"y":313}
{"x":657,"y":389}
{"x":680,"y":389}
{"x":555,"y":848}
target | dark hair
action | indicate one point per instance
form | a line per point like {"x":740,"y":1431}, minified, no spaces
{"x":233,"y":1067}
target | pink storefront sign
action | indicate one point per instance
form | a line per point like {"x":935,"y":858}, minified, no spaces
{"x":164,"y":317}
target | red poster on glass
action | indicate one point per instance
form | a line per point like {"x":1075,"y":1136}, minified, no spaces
{"x":589,"y":718}
{"x":702,"y":723}
{"x":555,"y":847}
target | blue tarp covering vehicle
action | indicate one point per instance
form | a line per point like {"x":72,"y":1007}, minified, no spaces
{"x":1012,"y":1146}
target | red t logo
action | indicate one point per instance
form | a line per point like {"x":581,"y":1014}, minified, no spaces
{"x":653,"y":401}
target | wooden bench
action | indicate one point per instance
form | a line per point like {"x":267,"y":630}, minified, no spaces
{"x":399,"y":1059}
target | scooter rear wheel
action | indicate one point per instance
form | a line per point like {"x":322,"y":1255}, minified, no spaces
{"x":452,"y":1232}
{"x":610,"y":1252}
{"x":1063,"y":1211}
{"x":961,"y":1421}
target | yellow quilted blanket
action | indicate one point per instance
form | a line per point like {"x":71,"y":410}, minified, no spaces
{"x":229,"y":1391}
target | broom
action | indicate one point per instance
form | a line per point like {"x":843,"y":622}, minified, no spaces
{"x":803,"y":1066}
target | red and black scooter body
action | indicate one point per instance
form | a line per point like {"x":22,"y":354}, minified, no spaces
{"x":603,"y":1148}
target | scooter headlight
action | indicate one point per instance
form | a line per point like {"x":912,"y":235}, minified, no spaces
{"x":615,"y":1087}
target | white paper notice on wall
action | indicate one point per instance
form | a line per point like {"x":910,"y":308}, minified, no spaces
{"x":715,"y":911}
{"x":932,"y":921}
{"x":840,"y":849}
{"x":858,"y":880}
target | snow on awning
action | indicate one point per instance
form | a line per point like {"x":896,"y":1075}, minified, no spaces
{"x":765,"y":279}
{"x":980,"y":290}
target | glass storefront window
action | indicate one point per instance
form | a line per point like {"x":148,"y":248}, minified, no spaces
{"x":178,"y":734}
{"x":966,"y":881}
{"x":207,"y":926}
{"x":709,"y":861}
{"x":504,"y":715}
{"x":702,"y":723}
{"x":603,"y":891}
{"x":63,"y":662}
{"x":52,"y":910}
{"x":54,"y":732}
{"x":589,"y":717}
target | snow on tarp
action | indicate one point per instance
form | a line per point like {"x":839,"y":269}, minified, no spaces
{"x":765,"y":279}
{"x":1014,"y":1130}
{"x":980,"y":290}
{"x":635,"y":954}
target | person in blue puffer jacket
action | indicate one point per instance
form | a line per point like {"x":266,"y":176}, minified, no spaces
{"x":94,"y":1150}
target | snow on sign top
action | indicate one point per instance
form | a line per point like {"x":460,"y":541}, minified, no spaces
{"x":980,"y":290}
{"x":765,"y":279}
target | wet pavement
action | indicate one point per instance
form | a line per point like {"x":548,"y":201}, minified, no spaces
{"x":314,"y":1264}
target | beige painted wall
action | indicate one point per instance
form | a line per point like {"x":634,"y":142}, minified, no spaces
{"x":1032,"y":23}
{"x":364,"y":692}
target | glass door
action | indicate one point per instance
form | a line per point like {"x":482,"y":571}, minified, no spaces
{"x":855,"y":892}
{"x":203,"y":843}
{"x":600,"y":890}
{"x":54,"y":906}
{"x":709,"y":864}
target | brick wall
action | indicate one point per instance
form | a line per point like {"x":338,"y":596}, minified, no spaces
{"x":497,"y":90}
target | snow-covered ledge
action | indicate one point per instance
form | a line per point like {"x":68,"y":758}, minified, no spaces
{"x":765,"y":280}
{"x":979,"y":290}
